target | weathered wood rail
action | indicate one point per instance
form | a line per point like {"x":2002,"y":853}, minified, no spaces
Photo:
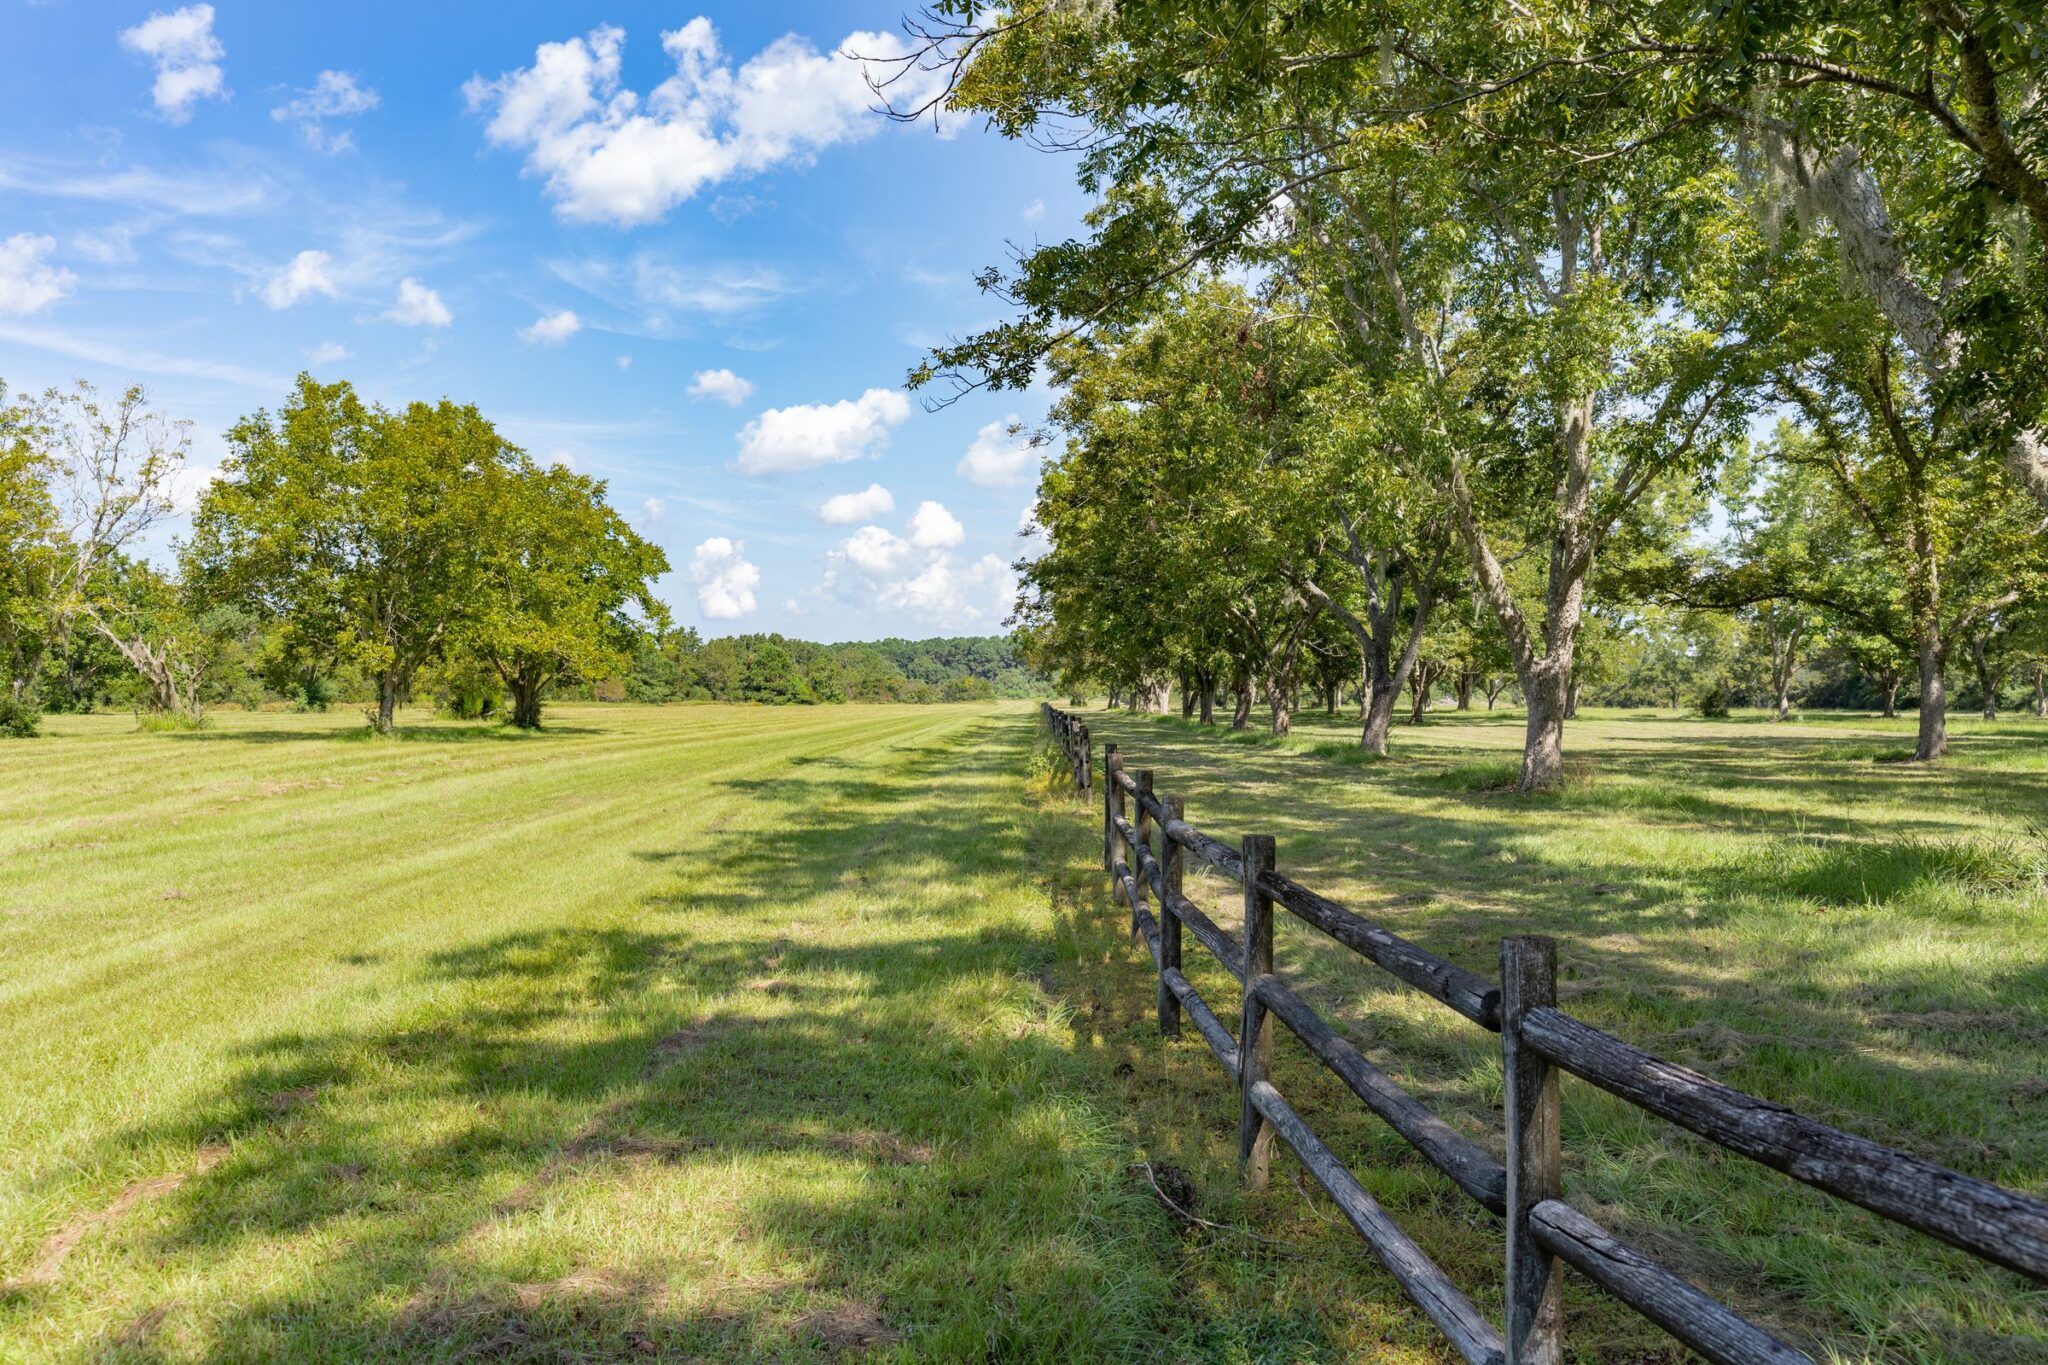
{"x":1071,"y":735}
{"x":1147,"y":841}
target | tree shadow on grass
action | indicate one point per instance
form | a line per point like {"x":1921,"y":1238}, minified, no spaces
{"x":724,"y":1127}
{"x":1940,"y":1055}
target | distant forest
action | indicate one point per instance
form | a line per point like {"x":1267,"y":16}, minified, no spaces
{"x":775,"y":669}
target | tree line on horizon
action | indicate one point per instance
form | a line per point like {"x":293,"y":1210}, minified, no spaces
{"x":347,"y":552}
{"x":1477,"y":340}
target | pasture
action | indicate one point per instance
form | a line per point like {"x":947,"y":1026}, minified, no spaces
{"x":806,"y":1033}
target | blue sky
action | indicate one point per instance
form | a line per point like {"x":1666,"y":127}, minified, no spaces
{"x":670,"y":246}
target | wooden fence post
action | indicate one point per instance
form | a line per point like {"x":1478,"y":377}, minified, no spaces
{"x":1255,"y":1030}
{"x":1170,"y":866}
{"x":1111,"y":766}
{"x":1143,"y":821}
{"x":1113,"y":796}
{"x":1087,"y":758}
{"x":1528,"y":979}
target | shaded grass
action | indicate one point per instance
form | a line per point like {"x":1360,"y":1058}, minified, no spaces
{"x":1857,"y":939}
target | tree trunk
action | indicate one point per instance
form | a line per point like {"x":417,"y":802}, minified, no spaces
{"x":1187,"y":698}
{"x":1891,"y":697}
{"x":1421,"y":682}
{"x":2040,"y":692}
{"x":1241,"y":716}
{"x":526,"y":701}
{"x":1933,"y":741}
{"x":1283,"y":717}
{"x":1462,"y":689}
{"x":1379,"y":693}
{"x":1548,"y":688}
{"x":387,"y":701}
{"x":1989,"y":680}
{"x":1207,"y":683}
{"x":1571,"y":700}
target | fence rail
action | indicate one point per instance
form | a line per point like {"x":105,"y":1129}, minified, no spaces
{"x":1146,"y":843}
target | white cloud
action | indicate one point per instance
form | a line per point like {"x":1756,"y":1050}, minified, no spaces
{"x":654,"y":287}
{"x":187,"y":484}
{"x":310,"y":272}
{"x":418,"y":306}
{"x":725,"y":580}
{"x":624,"y":362}
{"x":932,"y":527}
{"x":876,"y":552}
{"x":1036,"y":543}
{"x":326,"y":353}
{"x":1034,"y":210}
{"x":724,"y":385}
{"x":552,"y":329}
{"x":949,"y":592}
{"x":652,"y":511}
{"x":609,"y":155}
{"x":27,"y":285}
{"x":808,"y":435}
{"x":844,"y":509}
{"x":334,"y":94}
{"x":1000,"y":457}
{"x":563,"y":459}
{"x":872,"y":567}
{"x":117,"y":353}
{"x":918,"y":572}
{"x":187,"y":58}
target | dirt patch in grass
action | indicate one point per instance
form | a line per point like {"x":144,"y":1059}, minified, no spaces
{"x":883,"y":1147}
{"x":848,"y":1327}
{"x":58,"y":1246}
{"x":139,"y":1331}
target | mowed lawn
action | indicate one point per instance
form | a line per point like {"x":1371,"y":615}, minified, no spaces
{"x":1785,"y":907}
{"x":668,"y":1033}
{"x":726,"y":1033}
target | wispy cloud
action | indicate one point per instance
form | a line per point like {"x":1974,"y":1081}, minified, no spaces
{"x":662,"y":292}
{"x":120,"y":355}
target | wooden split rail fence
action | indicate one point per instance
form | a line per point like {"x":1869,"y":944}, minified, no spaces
{"x":1147,"y":842}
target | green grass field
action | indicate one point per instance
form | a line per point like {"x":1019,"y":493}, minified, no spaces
{"x":728,"y":1033}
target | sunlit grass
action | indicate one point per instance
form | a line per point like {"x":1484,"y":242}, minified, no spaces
{"x":727,"y":1033}
{"x":689,"y":1033}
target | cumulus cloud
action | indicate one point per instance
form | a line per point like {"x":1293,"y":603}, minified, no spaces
{"x":1034,"y":210}
{"x":1000,"y":457}
{"x":844,"y":509}
{"x":652,"y":511}
{"x":326,"y":353}
{"x":932,"y":527}
{"x":725,"y":580}
{"x":187,"y":58}
{"x":609,"y":155}
{"x":334,"y":94}
{"x":310,"y":272}
{"x":27,"y":284}
{"x":418,"y":306}
{"x":552,"y":329}
{"x":919,"y":572}
{"x":724,"y":385}
{"x":808,"y":435}
{"x":187,"y":484}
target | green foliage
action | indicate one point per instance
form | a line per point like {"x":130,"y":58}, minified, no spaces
{"x":19,"y":719}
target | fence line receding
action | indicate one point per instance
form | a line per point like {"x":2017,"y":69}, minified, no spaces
{"x":1146,"y":843}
